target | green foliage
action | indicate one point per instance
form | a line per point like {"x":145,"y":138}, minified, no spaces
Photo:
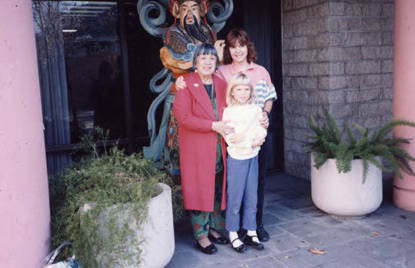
{"x":327,"y":143}
{"x":107,"y":180}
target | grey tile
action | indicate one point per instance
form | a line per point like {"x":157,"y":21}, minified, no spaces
{"x":344,"y":256}
{"x":265,"y":262}
{"x":283,"y":213}
{"x":311,"y":211}
{"x":287,"y":242}
{"x":403,"y":261}
{"x":297,"y":203}
{"x":302,"y":258}
{"x":269,"y":219}
{"x":183,"y":258}
{"x":334,"y":221}
{"x":352,"y":262}
{"x":289,"y":195}
{"x":274,"y":231}
{"x":303,"y":227}
{"x":383,"y":247}
{"x":389,"y":226}
{"x":336,"y":235}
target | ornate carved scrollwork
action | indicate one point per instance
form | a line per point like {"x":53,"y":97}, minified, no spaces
{"x":219,"y":13}
{"x":163,"y":90}
{"x":153,"y":25}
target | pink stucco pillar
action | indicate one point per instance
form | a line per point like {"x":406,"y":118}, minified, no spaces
{"x":24,"y":200}
{"x":404,"y":93}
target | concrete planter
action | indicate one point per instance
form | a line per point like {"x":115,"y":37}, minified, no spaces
{"x":155,"y":236}
{"x":344,"y":194}
{"x":158,"y":231}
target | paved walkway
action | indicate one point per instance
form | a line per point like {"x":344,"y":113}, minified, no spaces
{"x":386,"y":238}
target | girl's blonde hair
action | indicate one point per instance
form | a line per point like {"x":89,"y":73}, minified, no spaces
{"x":238,"y":79}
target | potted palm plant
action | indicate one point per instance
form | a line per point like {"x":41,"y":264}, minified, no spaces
{"x":116,"y":211}
{"x":346,"y":170}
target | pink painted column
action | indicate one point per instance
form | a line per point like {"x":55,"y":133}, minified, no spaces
{"x":404,"y":93}
{"x":24,"y":198}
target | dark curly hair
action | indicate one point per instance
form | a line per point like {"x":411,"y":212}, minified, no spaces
{"x":241,"y":36}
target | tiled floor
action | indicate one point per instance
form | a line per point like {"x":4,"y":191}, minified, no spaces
{"x":385,"y":238}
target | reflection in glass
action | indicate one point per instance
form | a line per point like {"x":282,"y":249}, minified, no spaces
{"x":79,"y":70}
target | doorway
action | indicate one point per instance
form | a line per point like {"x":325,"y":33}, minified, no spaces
{"x":263,"y":24}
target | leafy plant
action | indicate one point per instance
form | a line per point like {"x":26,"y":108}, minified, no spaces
{"x":328,"y":142}
{"x":106,"y":181}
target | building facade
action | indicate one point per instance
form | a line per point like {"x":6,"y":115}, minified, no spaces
{"x":337,"y":56}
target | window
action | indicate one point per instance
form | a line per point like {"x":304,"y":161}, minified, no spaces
{"x":80,"y":73}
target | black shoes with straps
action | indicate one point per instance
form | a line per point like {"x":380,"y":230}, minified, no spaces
{"x":249,"y":240}
{"x":241,"y":248}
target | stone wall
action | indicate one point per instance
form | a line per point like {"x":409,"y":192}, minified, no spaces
{"x":338,"y":56}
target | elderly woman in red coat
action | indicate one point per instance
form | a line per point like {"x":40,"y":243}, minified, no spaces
{"x":198,"y":109}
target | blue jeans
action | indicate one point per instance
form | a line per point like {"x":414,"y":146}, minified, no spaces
{"x":242,"y":185}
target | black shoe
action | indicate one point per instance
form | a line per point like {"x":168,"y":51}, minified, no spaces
{"x":207,"y":250}
{"x":250,"y":242}
{"x":219,"y":240}
{"x":263,"y":235}
{"x":242,"y":248}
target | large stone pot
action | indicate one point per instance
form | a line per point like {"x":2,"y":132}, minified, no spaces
{"x":158,"y":231}
{"x":345,"y":194}
{"x":155,"y":236}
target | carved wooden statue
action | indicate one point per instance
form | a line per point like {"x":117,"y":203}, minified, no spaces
{"x":190,"y":27}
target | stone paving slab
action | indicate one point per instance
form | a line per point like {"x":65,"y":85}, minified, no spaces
{"x":385,"y":238}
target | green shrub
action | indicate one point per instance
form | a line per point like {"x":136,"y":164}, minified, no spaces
{"x":328,"y":143}
{"x":103,"y":180}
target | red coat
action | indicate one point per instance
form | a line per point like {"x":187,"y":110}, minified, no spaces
{"x":197,"y":140}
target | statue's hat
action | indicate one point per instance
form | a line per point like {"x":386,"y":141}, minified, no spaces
{"x":174,"y":5}
{"x":182,"y":1}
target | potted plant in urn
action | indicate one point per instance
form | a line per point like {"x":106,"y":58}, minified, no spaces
{"x":346,"y":173}
{"x":116,"y":211}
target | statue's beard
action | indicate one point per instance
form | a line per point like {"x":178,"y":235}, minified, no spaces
{"x":195,"y":30}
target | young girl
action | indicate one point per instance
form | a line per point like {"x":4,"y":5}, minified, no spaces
{"x":242,"y":162}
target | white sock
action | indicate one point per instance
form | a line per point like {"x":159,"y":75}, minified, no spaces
{"x":232,"y":237}
{"x":253,"y":235}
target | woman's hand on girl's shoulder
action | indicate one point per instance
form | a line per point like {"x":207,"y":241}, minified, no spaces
{"x":180,"y":83}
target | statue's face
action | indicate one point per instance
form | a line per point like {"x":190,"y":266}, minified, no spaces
{"x":189,"y":13}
